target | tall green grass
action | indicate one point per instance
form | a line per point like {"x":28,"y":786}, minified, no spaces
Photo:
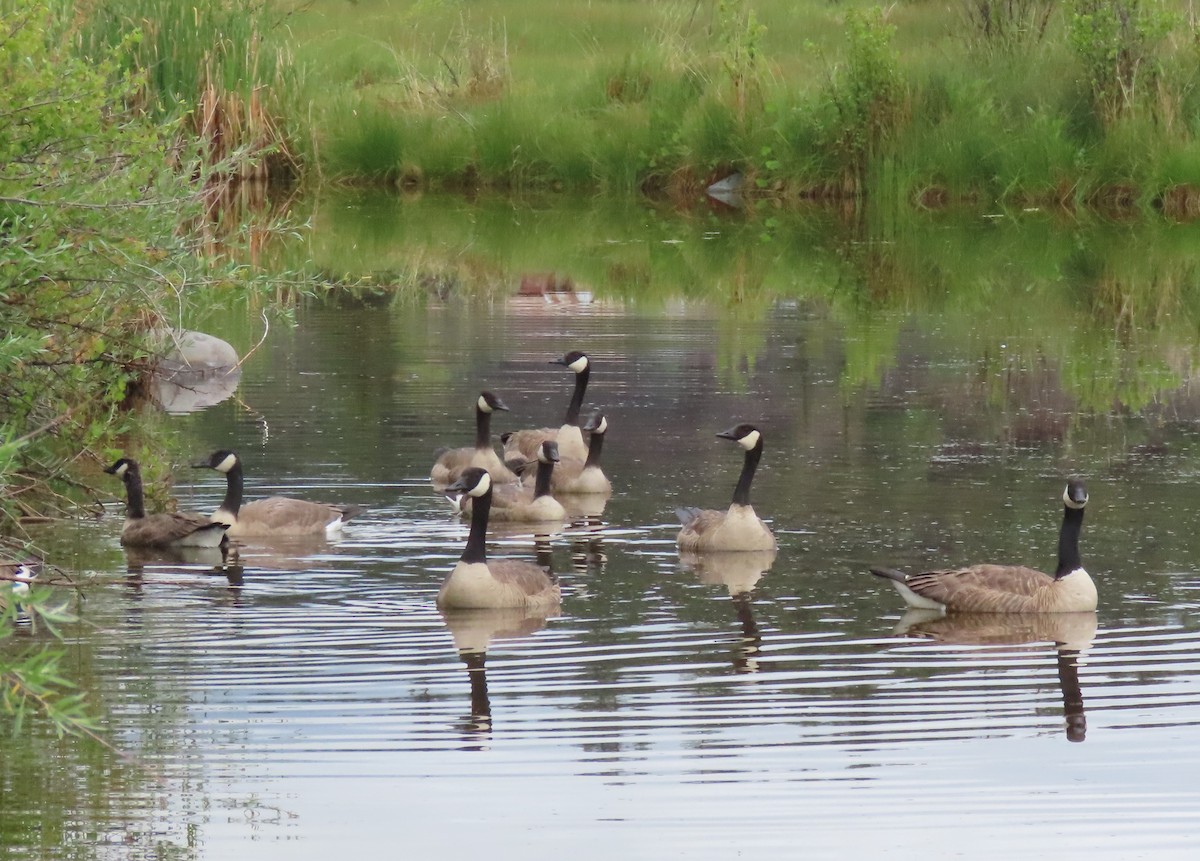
{"x":824,"y":100}
{"x":221,"y":67}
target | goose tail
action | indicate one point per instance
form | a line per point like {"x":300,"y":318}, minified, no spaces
{"x":687,"y":515}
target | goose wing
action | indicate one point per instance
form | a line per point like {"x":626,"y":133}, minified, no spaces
{"x":450,"y":463}
{"x":982,"y":588}
{"x":697,"y":523}
{"x":281,"y":514}
{"x":168,"y":528}
{"x":527,"y":442}
{"x":699,"y":520}
{"x":530,"y":579}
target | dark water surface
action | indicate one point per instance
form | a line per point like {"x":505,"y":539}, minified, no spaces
{"x":669,"y":710}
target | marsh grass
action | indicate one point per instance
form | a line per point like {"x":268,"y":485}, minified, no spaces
{"x":214,"y":66}
{"x":995,"y":101}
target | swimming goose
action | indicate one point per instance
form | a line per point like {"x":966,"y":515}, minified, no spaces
{"x":737,"y":528}
{"x":166,"y":529}
{"x":515,"y":503}
{"x":575,"y":475}
{"x":1009,"y":588}
{"x":523,"y":443}
{"x":476,"y":583}
{"x":275,"y":515}
{"x":451,"y":462}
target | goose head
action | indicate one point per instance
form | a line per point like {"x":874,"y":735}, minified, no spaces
{"x":548,"y":452}
{"x":745,"y":435}
{"x":597,"y":423}
{"x":123,"y":467}
{"x":474,"y":482}
{"x":1075,"y":495}
{"x":490,"y":402}
{"x":222,"y":461}
{"x":575,"y":360}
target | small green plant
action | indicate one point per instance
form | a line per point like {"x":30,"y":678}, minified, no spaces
{"x":741,"y":47}
{"x":1119,"y":43}
{"x":864,"y":96}
{"x":1007,"y":24}
{"x":32,"y":679}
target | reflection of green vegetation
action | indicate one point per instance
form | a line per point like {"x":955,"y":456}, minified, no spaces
{"x":1112,"y":310}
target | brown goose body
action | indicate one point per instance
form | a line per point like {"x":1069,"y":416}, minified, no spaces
{"x":280,"y":516}
{"x":989,"y":588}
{"x":735,"y":529}
{"x":523,"y":445}
{"x":475,"y":582}
{"x":167,"y":529}
{"x":738,"y":527}
{"x":996,"y":589}
{"x":451,"y":463}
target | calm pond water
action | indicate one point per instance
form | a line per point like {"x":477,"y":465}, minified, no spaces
{"x":312,"y":699}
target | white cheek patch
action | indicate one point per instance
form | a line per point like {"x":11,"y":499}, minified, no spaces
{"x":602,"y":427}
{"x":485,"y":484}
{"x":121,"y":470}
{"x":484,"y":406}
{"x":750,"y":440}
{"x":579,"y":364}
{"x":228,"y":463}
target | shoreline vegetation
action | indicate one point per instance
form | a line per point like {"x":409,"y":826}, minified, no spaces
{"x":105,"y":238}
{"x":1063,"y":103}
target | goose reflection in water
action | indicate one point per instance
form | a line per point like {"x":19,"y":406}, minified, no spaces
{"x":586,"y":532}
{"x":1071,"y":634}
{"x":167,"y":561}
{"x":473,"y":632}
{"x":739,"y":572}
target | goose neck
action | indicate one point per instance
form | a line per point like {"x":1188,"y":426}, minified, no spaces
{"x":483,"y":428}
{"x":1068,"y":542}
{"x":595,"y":446}
{"x":476,"y":549}
{"x":541,"y":487}
{"x":233,"y":490}
{"x":581,"y":381}
{"x":135,"y":501}
{"x":741,"y":493}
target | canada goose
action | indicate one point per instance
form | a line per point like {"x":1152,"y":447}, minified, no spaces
{"x":523,"y":444}
{"x":275,"y":515}
{"x":1009,"y":588}
{"x":164,"y":529}
{"x":737,"y":528}
{"x":515,"y":503}
{"x":583,"y":475}
{"x":476,"y":583}
{"x":450,"y":463}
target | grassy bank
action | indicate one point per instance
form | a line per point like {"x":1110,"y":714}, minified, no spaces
{"x":1021,"y":102}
